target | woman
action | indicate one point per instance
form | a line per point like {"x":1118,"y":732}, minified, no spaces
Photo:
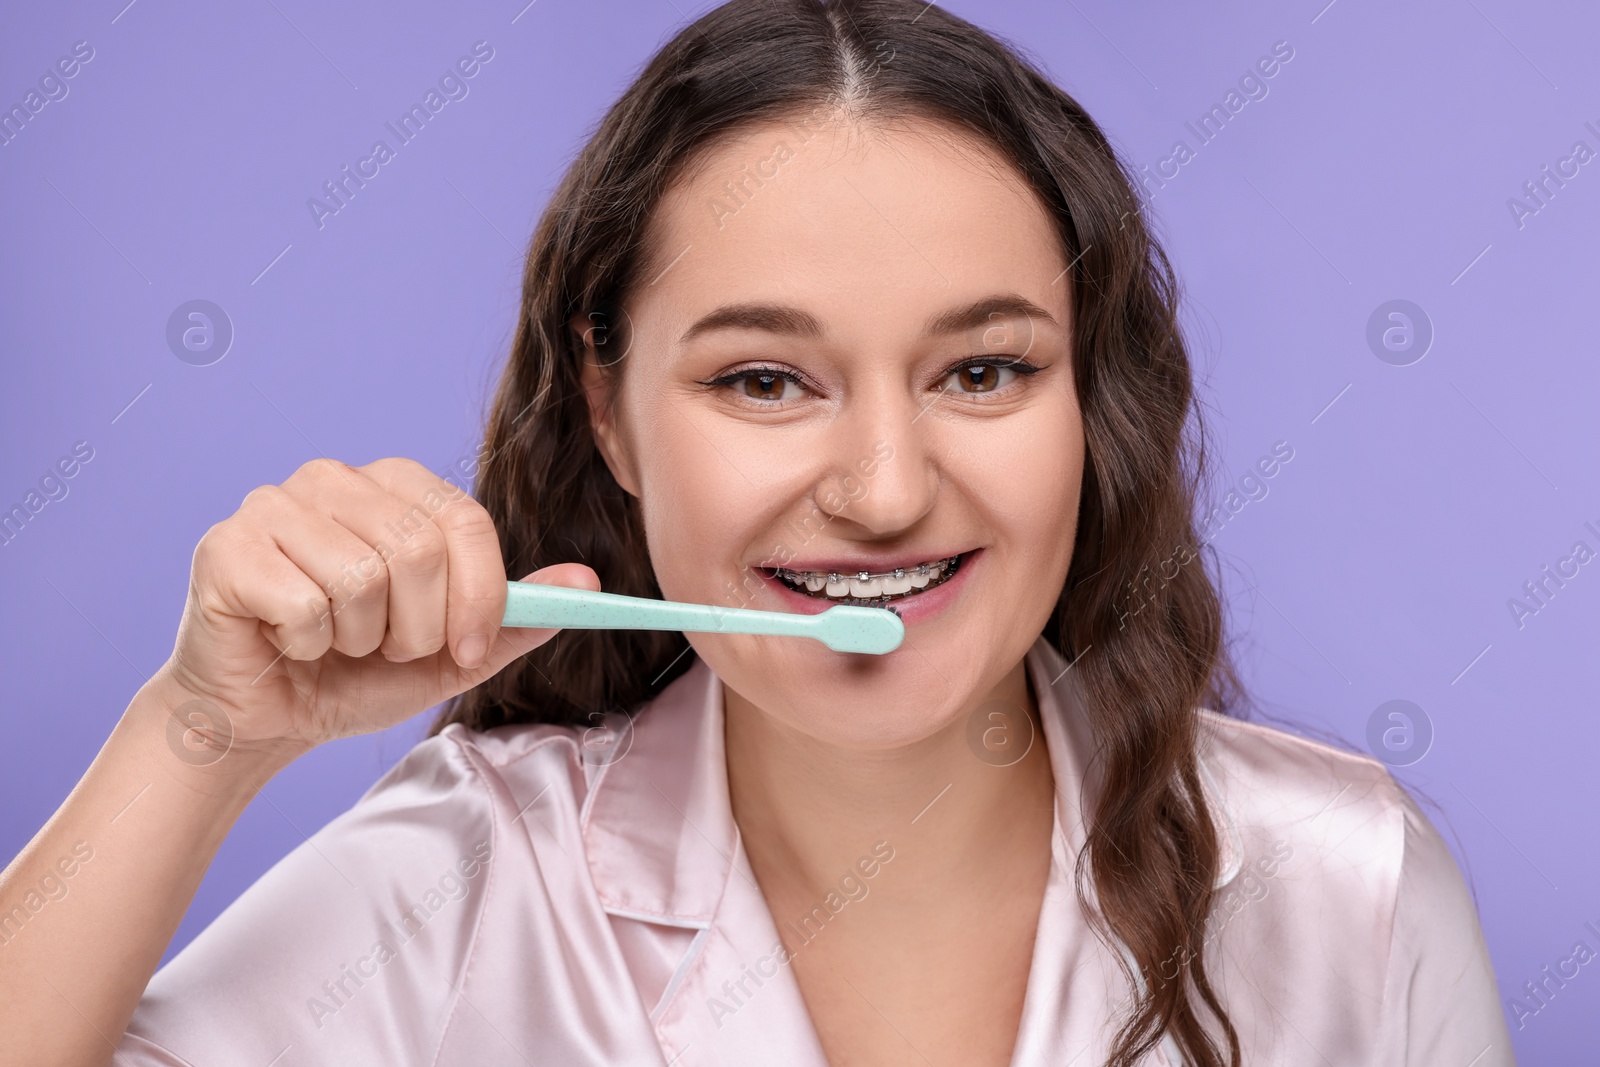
{"x":841,"y":301}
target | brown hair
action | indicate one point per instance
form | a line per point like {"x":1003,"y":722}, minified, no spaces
{"x":1153,"y":851}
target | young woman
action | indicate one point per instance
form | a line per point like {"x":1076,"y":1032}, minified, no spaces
{"x":841,"y":301}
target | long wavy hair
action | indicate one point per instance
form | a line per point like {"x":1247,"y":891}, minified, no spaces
{"x":1138,"y":613}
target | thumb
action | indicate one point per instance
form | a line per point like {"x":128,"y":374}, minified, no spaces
{"x":513,"y":642}
{"x":567,"y":575}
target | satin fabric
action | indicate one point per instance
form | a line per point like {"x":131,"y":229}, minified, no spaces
{"x":542,"y":894}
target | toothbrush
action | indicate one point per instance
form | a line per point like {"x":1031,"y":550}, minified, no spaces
{"x":843,"y":628}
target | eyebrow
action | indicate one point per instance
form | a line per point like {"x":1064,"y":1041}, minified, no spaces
{"x":792,"y":321}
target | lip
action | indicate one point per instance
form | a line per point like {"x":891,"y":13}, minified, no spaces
{"x":913,"y":609}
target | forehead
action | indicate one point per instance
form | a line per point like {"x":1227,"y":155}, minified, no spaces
{"x":860,"y":222}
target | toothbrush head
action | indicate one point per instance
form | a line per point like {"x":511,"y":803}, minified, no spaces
{"x":873,"y":631}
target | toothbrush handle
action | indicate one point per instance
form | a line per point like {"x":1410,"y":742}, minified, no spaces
{"x":531,"y":604}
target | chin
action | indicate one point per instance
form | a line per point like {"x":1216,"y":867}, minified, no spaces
{"x":837,"y":698}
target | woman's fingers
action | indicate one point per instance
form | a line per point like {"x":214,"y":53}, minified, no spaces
{"x":243,"y":577}
{"x":474,"y":593}
{"x":387,"y":557}
{"x":352,"y":605}
{"x":401,"y":533}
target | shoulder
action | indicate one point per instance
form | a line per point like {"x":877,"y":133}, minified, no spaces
{"x":1339,"y":901}
{"x":376,"y":909}
{"x":1271,"y":779}
{"x":460,"y":791}
{"x":499,"y":763}
{"x":460,"y":756}
{"x":1307,"y":812}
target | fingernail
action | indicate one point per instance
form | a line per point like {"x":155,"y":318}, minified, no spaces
{"x":471,"y":650}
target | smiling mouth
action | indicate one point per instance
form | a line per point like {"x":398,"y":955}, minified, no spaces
{"x":868,"y":589}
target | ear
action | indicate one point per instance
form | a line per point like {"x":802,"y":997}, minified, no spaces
{"x":600,"y":389}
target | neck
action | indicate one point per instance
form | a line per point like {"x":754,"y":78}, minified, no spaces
{"x":808,"y":811}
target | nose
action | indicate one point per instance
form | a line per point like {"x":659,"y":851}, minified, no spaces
{"x":883,"y":477}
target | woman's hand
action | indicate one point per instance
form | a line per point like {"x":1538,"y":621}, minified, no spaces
{"x":343,"y":601}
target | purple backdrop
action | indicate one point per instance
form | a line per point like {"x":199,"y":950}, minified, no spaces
{"x":1442,"y":449}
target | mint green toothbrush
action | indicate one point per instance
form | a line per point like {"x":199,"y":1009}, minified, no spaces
{"x":843,"y":628}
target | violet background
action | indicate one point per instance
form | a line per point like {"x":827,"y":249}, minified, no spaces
{"x":1379,"y":565}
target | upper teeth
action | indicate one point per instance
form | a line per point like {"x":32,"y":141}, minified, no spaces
{"x":864,"y":585}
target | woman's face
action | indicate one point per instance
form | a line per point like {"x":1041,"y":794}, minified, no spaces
{"x":816,"y":383}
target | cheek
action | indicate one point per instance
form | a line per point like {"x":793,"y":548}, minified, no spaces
{"x":685,"y":493}
{"x":711,"y":497}
{"x":1025,"y":472}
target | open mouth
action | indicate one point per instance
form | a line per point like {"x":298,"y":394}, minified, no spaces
{"x":869,"y":589}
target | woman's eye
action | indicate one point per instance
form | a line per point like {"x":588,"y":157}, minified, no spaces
{"x":769,"y":386}
{"x":982,"y":377}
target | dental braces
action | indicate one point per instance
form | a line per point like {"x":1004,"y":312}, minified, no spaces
{"x":922,"y":570}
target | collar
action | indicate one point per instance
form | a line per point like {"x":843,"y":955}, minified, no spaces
{"x":659,"y":827}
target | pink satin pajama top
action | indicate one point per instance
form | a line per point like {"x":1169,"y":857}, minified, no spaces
{"x":511,"y":898}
